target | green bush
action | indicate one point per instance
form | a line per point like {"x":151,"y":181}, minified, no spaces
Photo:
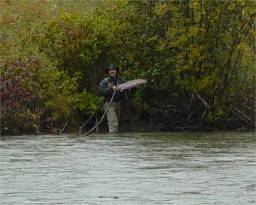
{"x":198,"y":58}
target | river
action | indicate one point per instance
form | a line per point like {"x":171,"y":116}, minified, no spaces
{"x":129,"y":168}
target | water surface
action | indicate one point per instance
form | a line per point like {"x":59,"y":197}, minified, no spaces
{"x":131,"y":168}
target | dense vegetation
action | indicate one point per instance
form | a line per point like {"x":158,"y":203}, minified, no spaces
{"x":198,"y":57}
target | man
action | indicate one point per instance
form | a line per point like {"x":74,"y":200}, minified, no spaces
{"x":107,"y":87}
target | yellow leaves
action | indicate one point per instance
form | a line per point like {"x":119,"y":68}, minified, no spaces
{"x":248,"y":59}
{"x":194,"y":5}
{"x":200,"y":85}
{"x":181,"y":37}
{"x":161,"y":9}
{"x":52,"y":24}
{"x":152,"y":39}
{"x":203,"y":83}
{"x":161,"y":45}
{"x":194,"y":53}
{"x":64,"y":15}
{"x":194,"y":31}
{"x":244,"y":46}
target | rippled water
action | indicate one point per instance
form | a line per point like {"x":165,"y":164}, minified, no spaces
{"x":172,"y":168}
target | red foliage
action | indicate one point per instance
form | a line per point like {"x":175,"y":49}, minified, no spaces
{"x":17,"y":94}
{"x":13,"y":92}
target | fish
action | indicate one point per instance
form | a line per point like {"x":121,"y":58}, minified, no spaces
{"x":131,"y":84}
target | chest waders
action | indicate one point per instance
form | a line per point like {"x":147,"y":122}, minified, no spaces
{"x":101,"y":119}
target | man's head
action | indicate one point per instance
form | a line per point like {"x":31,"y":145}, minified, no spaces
{"x":112,"y":70}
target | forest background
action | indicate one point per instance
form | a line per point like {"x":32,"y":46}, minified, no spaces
{"x":197,"y":55}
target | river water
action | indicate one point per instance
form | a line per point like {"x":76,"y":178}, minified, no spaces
{"x":131,"y":168}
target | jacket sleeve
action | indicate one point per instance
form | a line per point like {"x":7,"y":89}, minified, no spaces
{"x":104,"y":89}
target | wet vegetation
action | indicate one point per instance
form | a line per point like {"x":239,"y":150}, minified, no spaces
{"x":198,"y":57}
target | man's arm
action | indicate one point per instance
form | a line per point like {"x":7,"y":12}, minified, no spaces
{"x":104,"y":89}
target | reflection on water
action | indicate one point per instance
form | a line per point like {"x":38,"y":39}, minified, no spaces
{"x":162,"y":168}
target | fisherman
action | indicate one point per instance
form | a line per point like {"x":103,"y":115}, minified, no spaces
{"x":107,"y":87}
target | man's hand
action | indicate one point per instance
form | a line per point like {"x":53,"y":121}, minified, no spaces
{"x":114,"y":87}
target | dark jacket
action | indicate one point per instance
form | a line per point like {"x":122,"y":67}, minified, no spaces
{"x":106,"y":89}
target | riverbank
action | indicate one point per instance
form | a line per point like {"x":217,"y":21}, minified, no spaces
{"x":142,"y":127}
